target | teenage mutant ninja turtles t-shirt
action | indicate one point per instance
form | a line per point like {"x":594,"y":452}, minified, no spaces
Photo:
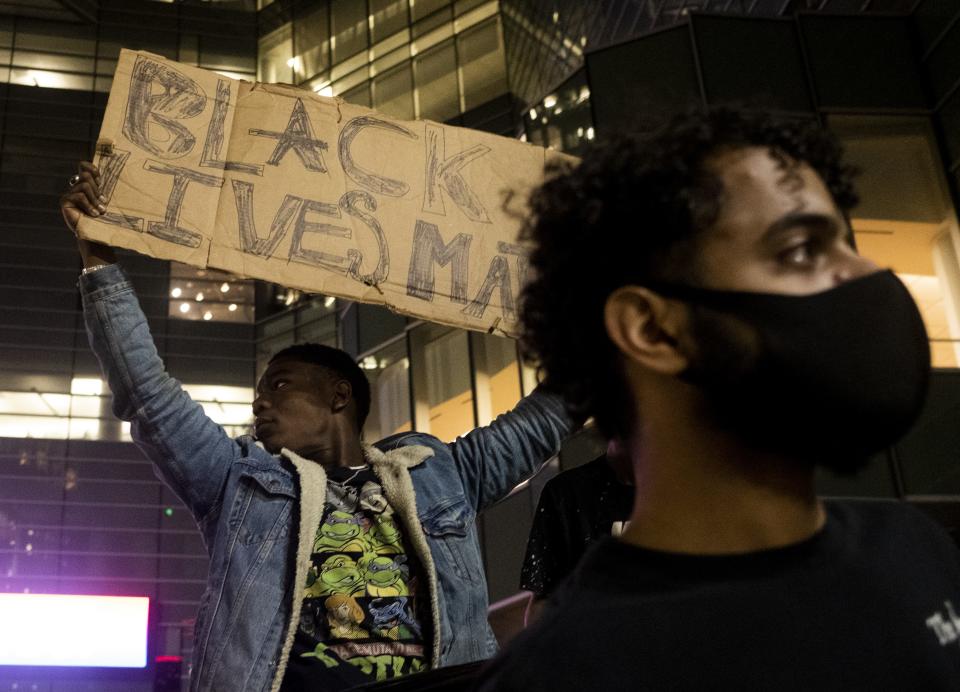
{"x":360,"y":620}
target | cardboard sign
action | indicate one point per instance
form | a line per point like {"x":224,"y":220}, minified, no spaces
{"x":277,"y":183}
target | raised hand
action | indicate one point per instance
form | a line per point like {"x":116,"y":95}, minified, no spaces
{"x":83,"y":197}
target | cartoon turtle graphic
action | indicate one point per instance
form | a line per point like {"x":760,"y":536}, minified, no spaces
{"x":384,"y":575}
{"x":340,"y":531}
{"x":337,"y":574}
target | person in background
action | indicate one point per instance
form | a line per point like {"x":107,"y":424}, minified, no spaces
{"x":576,"y":507}
{"x":696,"y":292}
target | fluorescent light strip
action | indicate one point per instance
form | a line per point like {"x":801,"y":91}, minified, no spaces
{"x":80,"y":631}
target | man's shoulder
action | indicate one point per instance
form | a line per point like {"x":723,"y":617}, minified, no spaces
{"x":580,"y":478}
{"x":881,"y":513}
{"x":406,"y":439}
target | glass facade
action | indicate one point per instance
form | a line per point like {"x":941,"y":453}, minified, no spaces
{"x":430,"y":60}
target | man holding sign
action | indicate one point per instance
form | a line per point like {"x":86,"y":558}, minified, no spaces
{"x":333,"y":562}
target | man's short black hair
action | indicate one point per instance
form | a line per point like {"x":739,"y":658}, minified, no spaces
{"x":341,"y":364}
{"x":629,"y":213}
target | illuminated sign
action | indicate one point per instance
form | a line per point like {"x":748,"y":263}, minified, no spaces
{"x":61,"y":630}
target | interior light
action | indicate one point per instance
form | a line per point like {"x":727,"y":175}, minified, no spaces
{"x":589,"y":133}
{"x":176,"y":292}
{"x":184,"y":307}
{"x":102,"y":631}
{"x":86,"y":386}
{"x":224,"y":287}
{"x":208,"y":316}
{"x":550,"y":101}
{"x":329,"y":301}
{"x":233,"y":307}
{"x":199,"y":297}
{"x":556,"y":17}
{"x":324,"y":90}
{"x":295,"y":63}
{"x":39,"y":78}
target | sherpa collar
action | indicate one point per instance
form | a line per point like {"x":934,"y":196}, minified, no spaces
{"x":393,"y":470}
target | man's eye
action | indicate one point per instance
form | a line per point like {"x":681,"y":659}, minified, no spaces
{"x":280,"y":384}
{"x":800,"y":255}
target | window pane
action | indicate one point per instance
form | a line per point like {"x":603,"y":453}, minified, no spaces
{"x":358,"y":96}
{"x":276,"y":56}
{"x":421,"y":8}
{"x":444,"y":397}
{"x":389,"y":16}
{"x":482,"y":64}
{"x":389,"y":373}
{"x":349,"y":28}
{"x":437,"y":93}
{"x":311,"y":41}
{"x":497,"y":375}
{"x":46,"y":61}
{"x":907,"y":222}
{"x":393,"y":93}
{"x":51,"y":80}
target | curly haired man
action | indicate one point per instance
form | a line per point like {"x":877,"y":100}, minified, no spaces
{"x":696,"y":293}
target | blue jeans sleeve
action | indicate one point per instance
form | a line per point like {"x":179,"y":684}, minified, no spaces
{"x":492,"y":460}
{"x":190,"y":452}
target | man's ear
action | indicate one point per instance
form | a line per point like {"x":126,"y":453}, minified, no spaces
{"x":342,"y":395}
{"x":645,"y":327}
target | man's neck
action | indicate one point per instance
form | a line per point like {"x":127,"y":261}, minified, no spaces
{"x":345,"y":449}
{"x":700,"y":491}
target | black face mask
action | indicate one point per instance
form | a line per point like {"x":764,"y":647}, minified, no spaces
{"x":829,"y":378}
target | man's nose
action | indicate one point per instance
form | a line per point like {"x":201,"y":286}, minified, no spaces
{"x":854,"y":266}
{"x":259,"y":404}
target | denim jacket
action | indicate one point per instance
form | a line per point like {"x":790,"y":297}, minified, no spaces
{"x":259,"y":513}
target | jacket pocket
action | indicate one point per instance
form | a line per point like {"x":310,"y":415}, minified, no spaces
{"x":261,"y":509}
{"x":449,"y":532}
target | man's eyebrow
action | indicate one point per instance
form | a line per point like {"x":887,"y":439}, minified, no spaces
{"x":799,"y":218}
{"x":269,"y":374}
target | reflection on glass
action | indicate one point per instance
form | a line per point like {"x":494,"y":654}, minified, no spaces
{"x":348,"y":19}
{"x":437,"y":94}
{"x":497,"y":375}
{"x":393,"y":93}
{"x":311,"y":41}
{"x":388,"y":17}
{"x":441,"y":381}
{"x":421,"y":8}
{"x":209,"y":295}
{"x":276,"y":59}
{"x":562,"y":120}
{"x":389,"y":373}
{"x":907,"y":222}
{"x":358,"y":96}
{"x":482,"y":67}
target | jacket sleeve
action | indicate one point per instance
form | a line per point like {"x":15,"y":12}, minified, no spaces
{"x":492,"y":460}
{"x":190,"y":452}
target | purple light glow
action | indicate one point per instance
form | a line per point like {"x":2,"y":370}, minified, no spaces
{"x":60,"y":630}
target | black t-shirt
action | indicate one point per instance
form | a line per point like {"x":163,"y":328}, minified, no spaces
{"x":360,"y":620}
{"x":576,"y":508}
{"x":871,"y":602}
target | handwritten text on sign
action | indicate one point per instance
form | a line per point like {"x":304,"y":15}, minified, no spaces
{"x":277,"y":183}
